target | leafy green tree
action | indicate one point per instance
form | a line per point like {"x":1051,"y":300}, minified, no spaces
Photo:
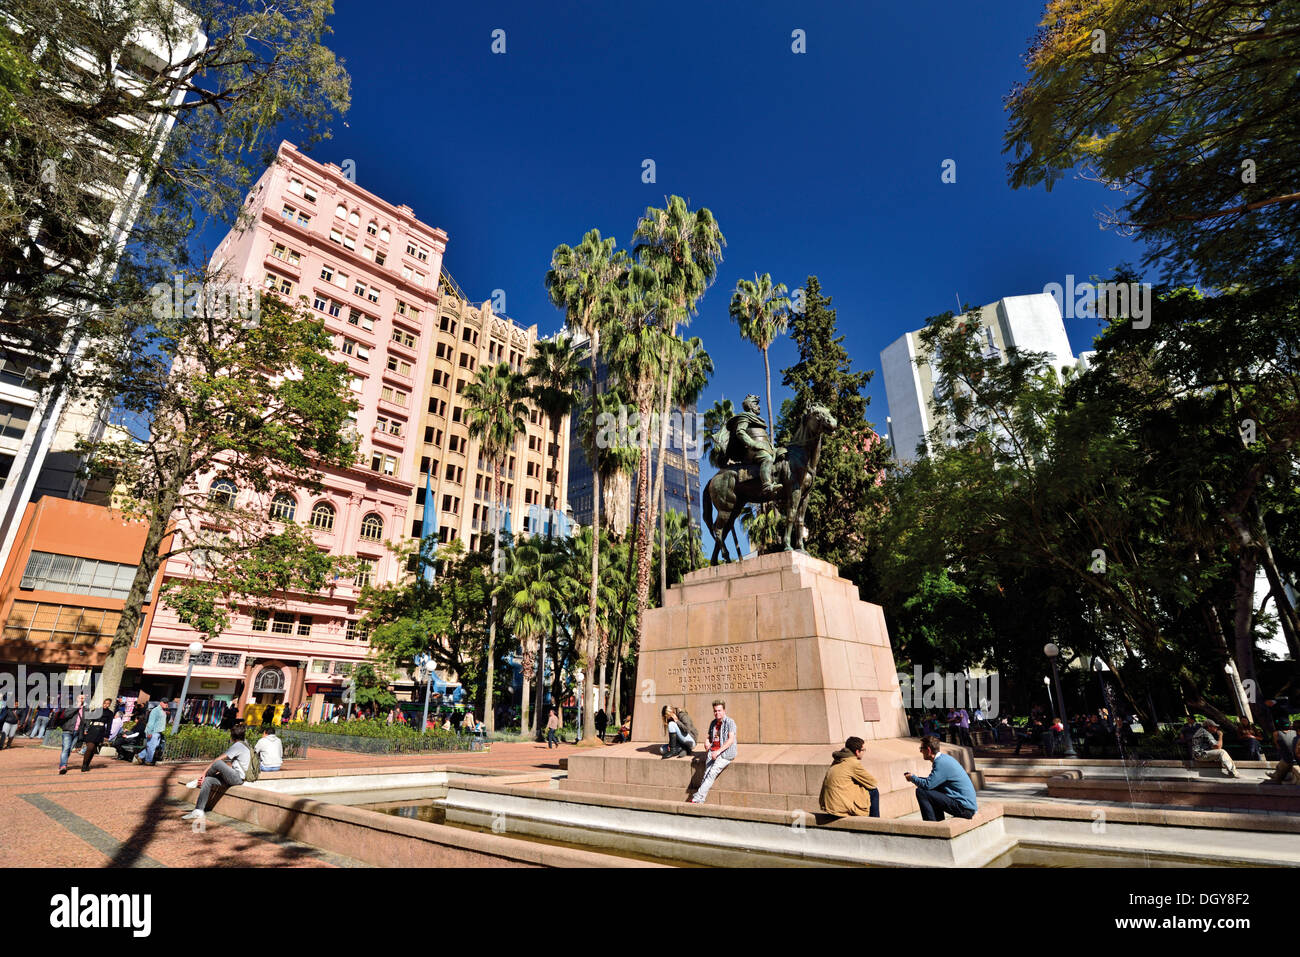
{"x":845,"y":497}
{"x":1187,"y":110}
{"x":72,"y":95}
{"x":371,"y":681}
{"x":257,"y":405}
{"x":495,"y":412}
{"x":442,"y":618}
{"x":763,"y":313}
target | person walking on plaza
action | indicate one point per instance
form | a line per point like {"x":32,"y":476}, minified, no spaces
{"x":9,"y":721}
{"x":722,"y":750}
{"x":270,"y":750}
{"x":848,"y":789}
{"x":153,"y":731}
{"x":552,"y":726}
{"x":227,"y":771}
{"x":42,"y":720}
{"x":72,"y":722}
{"x":96,"y":734}
{"x":681,"y":732}
{"x":1207,"y":748}
{"x":602,"y":722}
{"x":947,"y":789}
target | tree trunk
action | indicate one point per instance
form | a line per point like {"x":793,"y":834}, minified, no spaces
{"x":142,"y":583}
{"x":589,"y":640}
{"x":523,"y":696}
{"x":489,"y":718}
{"x":659,"y":482}
{"x":1286,"y":613}
{"x":1243,"y":618}
{"x":645,"y":526}
{"x":767,"y":374}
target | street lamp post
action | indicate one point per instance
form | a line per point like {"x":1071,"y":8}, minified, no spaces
{"x":1052,"y":652}
{"x":426,"y":677}
{"x":195,"y":648}
{"x":1047,"y":683}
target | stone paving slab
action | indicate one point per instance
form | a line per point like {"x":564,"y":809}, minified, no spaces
{"x":120,"y":815}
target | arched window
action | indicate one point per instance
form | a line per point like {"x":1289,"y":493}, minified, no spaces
{"x":372,"y":528}
{"x":340,"y":211}
{"x":269,"y":681}
{"x":383,"y":235}
{"x":322,"y":516}
{"x":222,"y":492}
{"x":372,"y":228}
{"x":355,"y":218}
{"x":283,"y":507}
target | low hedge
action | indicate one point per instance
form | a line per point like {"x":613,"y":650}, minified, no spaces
{"x":378,"y":737}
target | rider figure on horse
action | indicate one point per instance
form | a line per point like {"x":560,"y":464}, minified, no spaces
{"x":750,"y":443}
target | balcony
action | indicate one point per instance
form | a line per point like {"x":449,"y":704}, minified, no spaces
{"x":384,"y":437}
{"x":405,"y":381}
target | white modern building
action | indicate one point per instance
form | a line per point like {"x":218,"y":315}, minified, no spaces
{"x":1027,"y":323}
{"x":39,"y":427}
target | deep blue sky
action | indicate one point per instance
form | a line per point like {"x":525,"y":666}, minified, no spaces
{"x":826,"y":162}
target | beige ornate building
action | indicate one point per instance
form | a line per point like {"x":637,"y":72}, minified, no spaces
{"x":465,"y":337}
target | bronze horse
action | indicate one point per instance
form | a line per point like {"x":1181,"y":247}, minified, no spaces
{"x":728,"y":494}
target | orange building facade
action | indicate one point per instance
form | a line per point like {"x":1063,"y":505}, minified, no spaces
{"x":63,"y":588}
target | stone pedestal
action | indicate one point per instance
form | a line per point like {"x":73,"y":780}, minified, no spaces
{"x":802,"y":663}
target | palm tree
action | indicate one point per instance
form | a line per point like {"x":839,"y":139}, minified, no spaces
{"x":763,"y":312}
{"x":578,"y":282}
{"x":615,"y":460}
{"x":694,"y":366}
{"x":528,"y":595}
{"x":495,"y":413}
{"x":556,"y":375}
{"x":683,"y":249}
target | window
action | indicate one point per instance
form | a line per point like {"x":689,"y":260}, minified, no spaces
{"x":359,"y":289}
{"x":438,"y":406}
{"x":288,"y":212}
{"x":349,"y":630}
{"x":422,"y":255}
{"x":14,"y":419}
{"x":63,"y":624}
{"x":295,"y":187}
{"x":283,"y":252}
{"x":419,"y":279}
{"x":349,"y":243}
{"x":441,"y":378}
{"x":353,"y":348}
{"x":389,"y":394}
{"x":322,"y":516}
{"x":354,"y":219}
{"x":365,"y":571}
{"x":406,"y":272}
{"x":443,"y":351}
{"x":259,"y":620}
{"x":400,"y":366}
{"x":457,"y":413}
{"x":383,"y":235}
{"x":361,"y":319}
{"x":304,"y":625}
{"x":368,"y":252}
{"x":390,"y":465}
{"x":456,"y":444}
{"x":341,"y":280}
{"x":340,"y":211}
{"x":372,"y":294}
{"x":229,"y":660}
{"x":357,"y":384}
{"x":336,"y":236}
{"x":269,"y":680}
{"x":448,"y":324}
{"x":222,"y":493}
{"x":372,"y":528}
{"x":372,"y":228}
{"x":80,"y":576}
{"x":410,"y":249}
{"x":309,"y":193}
{"x":335,"y":309}
{"x":304,"y":220}
{"x":327,"y":273}
{"x":320,"y":302}
{"x":460,"y":386}
{"x":320,"y":667}
{"x":381,"y":258}
{"x":403,"y":337}
{"x":282,"y":623}
{"x":283,"y":507}
{"x":467,"y":361}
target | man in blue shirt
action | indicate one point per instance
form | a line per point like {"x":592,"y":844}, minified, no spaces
{"x":153,"y":732}
{"x":947,"y":789}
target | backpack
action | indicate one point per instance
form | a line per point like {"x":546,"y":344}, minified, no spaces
{"x":254,"y":767}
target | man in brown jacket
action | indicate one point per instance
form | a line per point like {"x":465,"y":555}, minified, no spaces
{"x":848,"y":789}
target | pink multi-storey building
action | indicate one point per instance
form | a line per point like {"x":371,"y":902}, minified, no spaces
{"x":370,"y":270}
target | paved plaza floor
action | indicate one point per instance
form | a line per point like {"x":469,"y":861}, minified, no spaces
{"x":119,"y":815}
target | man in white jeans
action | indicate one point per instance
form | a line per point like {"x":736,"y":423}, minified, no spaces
{"x":722,"y":750}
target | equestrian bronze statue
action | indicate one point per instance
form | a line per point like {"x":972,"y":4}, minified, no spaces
{"x":753,"y":470}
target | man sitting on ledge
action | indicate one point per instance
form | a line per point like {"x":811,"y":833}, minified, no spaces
{"x":849,"y":790}
{"x":948,"y":788}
